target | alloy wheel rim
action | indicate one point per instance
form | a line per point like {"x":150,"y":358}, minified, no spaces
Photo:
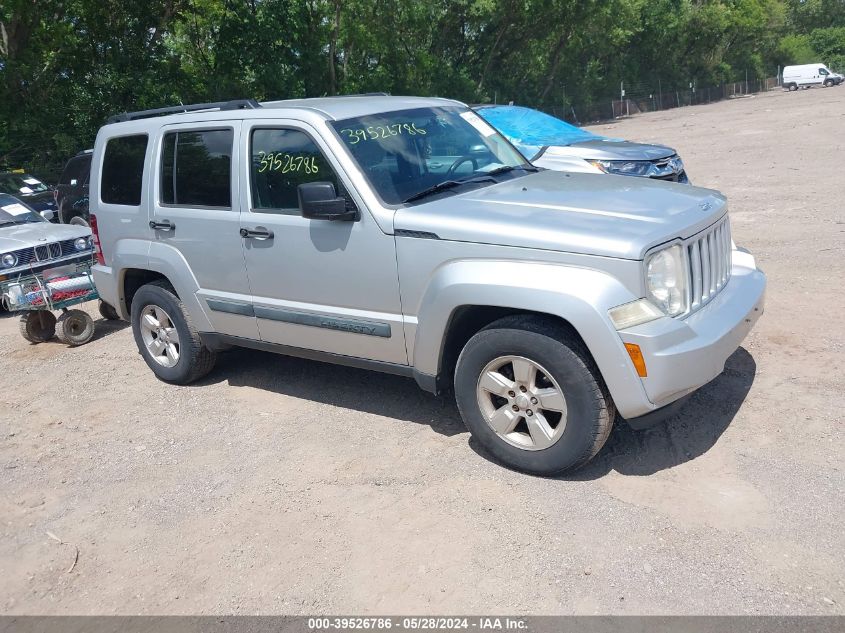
{"x":160,"y":336}
{"x":521,"y":402}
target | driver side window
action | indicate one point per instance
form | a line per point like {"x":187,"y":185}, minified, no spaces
{"x":281,"y":160}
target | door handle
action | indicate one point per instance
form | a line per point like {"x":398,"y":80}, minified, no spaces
{"x":163,"y":225}
{"x":258,"y":233}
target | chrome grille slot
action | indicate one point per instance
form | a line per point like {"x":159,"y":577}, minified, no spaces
{"x":709,"y":257}
{"x":55,"y":250}
{"x":42,"y":252}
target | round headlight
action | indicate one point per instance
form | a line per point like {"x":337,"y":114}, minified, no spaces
{"x":8,"y":260}
{"x":82,"y":243}
{"x":666,"y":280}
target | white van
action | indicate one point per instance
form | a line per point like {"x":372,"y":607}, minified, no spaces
{"x":806,"y":75}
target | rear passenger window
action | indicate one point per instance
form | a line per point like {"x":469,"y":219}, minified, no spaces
{"x":281,"y":161}
{"x":196,"y":168}
{"x":77,"y":169}
{"x":123,"y":170}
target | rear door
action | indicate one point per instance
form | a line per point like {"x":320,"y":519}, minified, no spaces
{"x":196,"y":211}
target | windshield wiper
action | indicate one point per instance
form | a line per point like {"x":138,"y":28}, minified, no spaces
{"x":446,"y":184}
{"x":506,"y":168}
{"x":487,"y":176}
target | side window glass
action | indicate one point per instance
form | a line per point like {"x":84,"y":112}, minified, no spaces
{"x":123,"y":170}
{"x":196,"y":168}
{"x":822,"y":71}
{"x":71,"y":172}
{"x":281,"y":161}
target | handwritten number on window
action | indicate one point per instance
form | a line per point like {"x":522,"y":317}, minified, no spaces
{"x":286,"y":163}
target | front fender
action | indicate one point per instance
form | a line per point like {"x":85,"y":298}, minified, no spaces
{"x":581,"y":296}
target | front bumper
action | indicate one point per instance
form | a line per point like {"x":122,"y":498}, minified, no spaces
{"x":682,"y":355}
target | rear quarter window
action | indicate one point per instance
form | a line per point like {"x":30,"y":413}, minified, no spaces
{"x":76,"y":169}
{"x":123,"y":170}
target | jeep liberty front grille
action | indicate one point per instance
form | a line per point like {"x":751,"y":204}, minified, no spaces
{"x":709,"y":256}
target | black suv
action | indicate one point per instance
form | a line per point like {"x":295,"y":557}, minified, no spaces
{"x":72,"y":190}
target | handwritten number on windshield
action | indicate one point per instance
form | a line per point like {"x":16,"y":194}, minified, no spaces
{"x":376,"y":132}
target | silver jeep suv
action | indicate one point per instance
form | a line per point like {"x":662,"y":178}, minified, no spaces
{"x":406,"y":235}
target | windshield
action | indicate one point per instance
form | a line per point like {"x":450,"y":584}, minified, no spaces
{"x":23,"y":184}
{"x":13,"y":211}
{"x":531,"y":130}
{"x":409,"y":154}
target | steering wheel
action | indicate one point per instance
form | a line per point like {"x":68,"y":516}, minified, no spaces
{"x":461,"y":161}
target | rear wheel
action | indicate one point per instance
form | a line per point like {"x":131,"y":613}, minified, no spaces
{"x":108,"y":312}
{"x":531,"y":395}
{"x":166,"y":338}
{"x":75,"y":327}
{"x":38,"y":326}
{"x":792,"y":87}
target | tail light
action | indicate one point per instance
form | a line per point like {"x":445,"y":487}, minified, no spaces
{"x":95,"y":233}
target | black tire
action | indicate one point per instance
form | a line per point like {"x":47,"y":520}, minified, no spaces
{"x":108,"y":311}
{"x":75,"y":328}
{"x":590,"y":409}
{"x":792,"y":87}
{"x":195,"y":359}
{"x":38,"y":326}
{"x":828,"y":83}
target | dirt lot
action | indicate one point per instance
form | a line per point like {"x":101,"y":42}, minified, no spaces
{"x":286,"y":486}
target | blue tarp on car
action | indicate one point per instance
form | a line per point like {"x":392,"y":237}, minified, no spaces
{"x":530,"y":130}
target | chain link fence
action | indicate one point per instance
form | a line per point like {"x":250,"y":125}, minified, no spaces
{"x":638,"y":98}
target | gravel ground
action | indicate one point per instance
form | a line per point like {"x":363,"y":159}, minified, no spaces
{"x":285,"y":486}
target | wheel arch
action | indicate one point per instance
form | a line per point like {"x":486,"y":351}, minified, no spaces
{"x":163,"y":263}
{"x":469,"y":296}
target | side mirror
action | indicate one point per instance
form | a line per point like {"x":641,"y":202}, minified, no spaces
{"x":48,"y":215}
{"x":319,"y":201}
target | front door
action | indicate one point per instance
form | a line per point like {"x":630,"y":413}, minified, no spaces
{"x":196,"y":212}
{"x":316,"y":284}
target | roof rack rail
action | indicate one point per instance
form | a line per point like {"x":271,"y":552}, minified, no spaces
{"x":365,"y":94}
{"x":235,"y":104}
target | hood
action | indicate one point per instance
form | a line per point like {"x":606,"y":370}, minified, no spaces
{"x":592,"y":214}
{"x":609,"y":149}
{"x":14,"y":238}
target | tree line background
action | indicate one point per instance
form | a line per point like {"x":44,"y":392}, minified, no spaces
{"x":66,"y":65}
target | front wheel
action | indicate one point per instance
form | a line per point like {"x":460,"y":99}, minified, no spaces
{"x":38,"y":326}
{"x":165,"y":336}
{"x":531,"y":395}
